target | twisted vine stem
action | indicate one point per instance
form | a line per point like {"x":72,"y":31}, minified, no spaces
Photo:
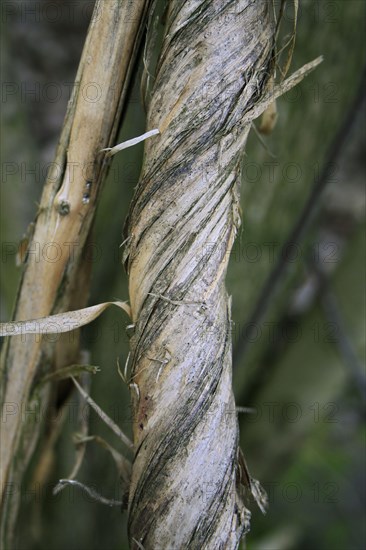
{"x":216,"y":60}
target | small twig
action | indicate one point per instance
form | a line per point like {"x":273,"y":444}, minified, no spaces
{"x":122,"y":464}
{"x":88,"y":490}
{"x":138,"y":544}
{"x":247,"y":410}
{"x":136,"y":388}
{"x":162,"y":362}
{"x":123,"y":374}
{"x":129,"y":143}
{"x":104,"y":416}
{"x":262,"y":142}
{"x":65,"y":372}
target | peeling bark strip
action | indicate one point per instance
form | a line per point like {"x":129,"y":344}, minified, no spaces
{"x":215,"y":63}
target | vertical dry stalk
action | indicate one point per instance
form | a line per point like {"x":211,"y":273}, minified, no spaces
{"x":216,"y":59}
{"x":63,"y":222}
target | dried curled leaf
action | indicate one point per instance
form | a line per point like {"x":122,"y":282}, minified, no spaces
{"x":61,"y":322}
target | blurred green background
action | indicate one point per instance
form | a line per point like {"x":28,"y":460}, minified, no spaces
{"x":298,"y":310}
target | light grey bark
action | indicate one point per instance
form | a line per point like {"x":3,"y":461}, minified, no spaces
{"x":216,"y":59}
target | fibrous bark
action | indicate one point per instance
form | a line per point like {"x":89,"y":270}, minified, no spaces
{"x":216,"y":60}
